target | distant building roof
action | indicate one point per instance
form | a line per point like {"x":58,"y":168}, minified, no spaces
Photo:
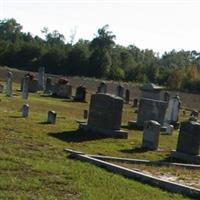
{"x":151,"y":87}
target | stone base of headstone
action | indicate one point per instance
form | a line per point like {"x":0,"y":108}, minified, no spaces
{"x":134,"y":125}
{"x":185,"y":157}
{"x":110,"y":133}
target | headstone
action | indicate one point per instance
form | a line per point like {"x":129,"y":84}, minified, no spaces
{"x":105,"y":115}
{"x":102,"y":88}
{"x":51,"y":117}
{"x":172,"y":112}
{"x":9,"y":84}
{"x":41,"y":77}
{"x":150,"y":109}
{"x":48,"y":86}
{"x":135,"y":102}
{"x":120,"y":91}
{"x":25,"y":110}
{"x":151,"y":91}
{"x":25,"y":87}
{"x":167,"y":128}
{"x":80,"y":94}
{"x":85,"y":114}
{"x":194,"y":113}
{"x":166,"y":96}
{"x":188,"y":145}
{"x":1,"y":88}
{"x":151,"y":135}
{"x":127,"y":96}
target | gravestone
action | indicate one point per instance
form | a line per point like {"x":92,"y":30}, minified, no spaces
{"x":1,"y":88}
{"x":85,"y":114}
{"x":151,"y":91}
{"x":150,"y":109}
{"x":51,"y":117}
{"x":166,"y":96}
{"x":41,"y":78}
{"x":127,"y":96}
{"x":9,"y":84}
{"x":188,"y":145}
{"x":62,"y":89}
{"x":135,"y":102}
{"x":194,"y":113}
{"x":151,"y":135}
{"x":120,"y":91}
{"x":80,"y":94}
{"x":25,"y":87}
{"x":25,"y":110}
{"x":105,"y":115}
{"x":172,"y":112}
{"x":102,"y":88}
{"x":48,"y":86}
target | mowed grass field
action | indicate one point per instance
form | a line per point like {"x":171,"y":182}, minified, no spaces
{"x":33,"y":164}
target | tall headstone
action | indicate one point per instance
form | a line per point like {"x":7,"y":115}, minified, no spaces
{"x":41,"y":78}
{"x":120,"y":91}
{"x":25,"y":110}
{"x":172,"y":112}
{"x":51,"y":117}
{"x":127,"y":96}
{"x":150,"y":109}
{"x":105,"y":115}
{"x":188,"y":145}
{"x":9,"y":84}
{"x":151,"y":135}
{"x":135,"y":102}
{"x":25,"y":87}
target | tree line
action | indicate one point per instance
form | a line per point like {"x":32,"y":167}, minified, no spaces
{"x":101,"y":58}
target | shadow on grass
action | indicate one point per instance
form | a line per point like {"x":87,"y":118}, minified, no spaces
{"x":44,"y":123}
{"x":77,"y":136}
{"x":16,"y":117}
{"x":131,"y":127}
{"x":135,"y":150}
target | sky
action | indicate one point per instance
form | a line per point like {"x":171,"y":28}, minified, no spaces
{"x":160,"y":25}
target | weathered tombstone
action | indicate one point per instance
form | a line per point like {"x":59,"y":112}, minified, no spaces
{"x":105,"y":115}
{"x":151,"y":91}
{"x":62,"y":89}
{"x":172,"y":112}
{"x":167,"y":128}
{"x":120,"y":91}
{"x":25,"y":110}
{"x":85,"y":114}
{"x":1,"y":88}
{"x":188,"y":145}
{"x":25,"y":87}
{"x":80,"y":94}
{"x":150,"y":109}
{"x":127,"y":96}
{"x":9,"y":84}
{"x":51,"y":117}
{"x":151,"y":135}
{"x":102,"y":88}
{"x":166,"y":96}
{"x":41,"y":77}
{"x":48,"y":86}
{"x":135,"y":102}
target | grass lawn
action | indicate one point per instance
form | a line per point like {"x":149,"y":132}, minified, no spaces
{"x":33,"y":164}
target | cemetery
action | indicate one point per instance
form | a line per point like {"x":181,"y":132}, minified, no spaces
{"x":46,"y":154}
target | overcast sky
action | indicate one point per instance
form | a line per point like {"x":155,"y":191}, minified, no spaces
{"x":161,"y":25}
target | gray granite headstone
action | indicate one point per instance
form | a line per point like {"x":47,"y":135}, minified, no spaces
{"x":25,"y":110}
{"x":105,"y":115}
{"x":41,"y":77}
{"x":9,"y":84}
{"x":188,"y":145}
{"x":120,"y":91}
{"x":51,"y":117}
{"x":25,"y":87}
{"x":102,"y":88}
{"x":151,"y":135}
{"x":80,"y":94}
{"x":135,"y":102}
{"x":48,"y":86}
{"x":127,"y":96}
{"x":85,"y":114}
{"x":150,"y":109}
{"x":62,"y":90}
